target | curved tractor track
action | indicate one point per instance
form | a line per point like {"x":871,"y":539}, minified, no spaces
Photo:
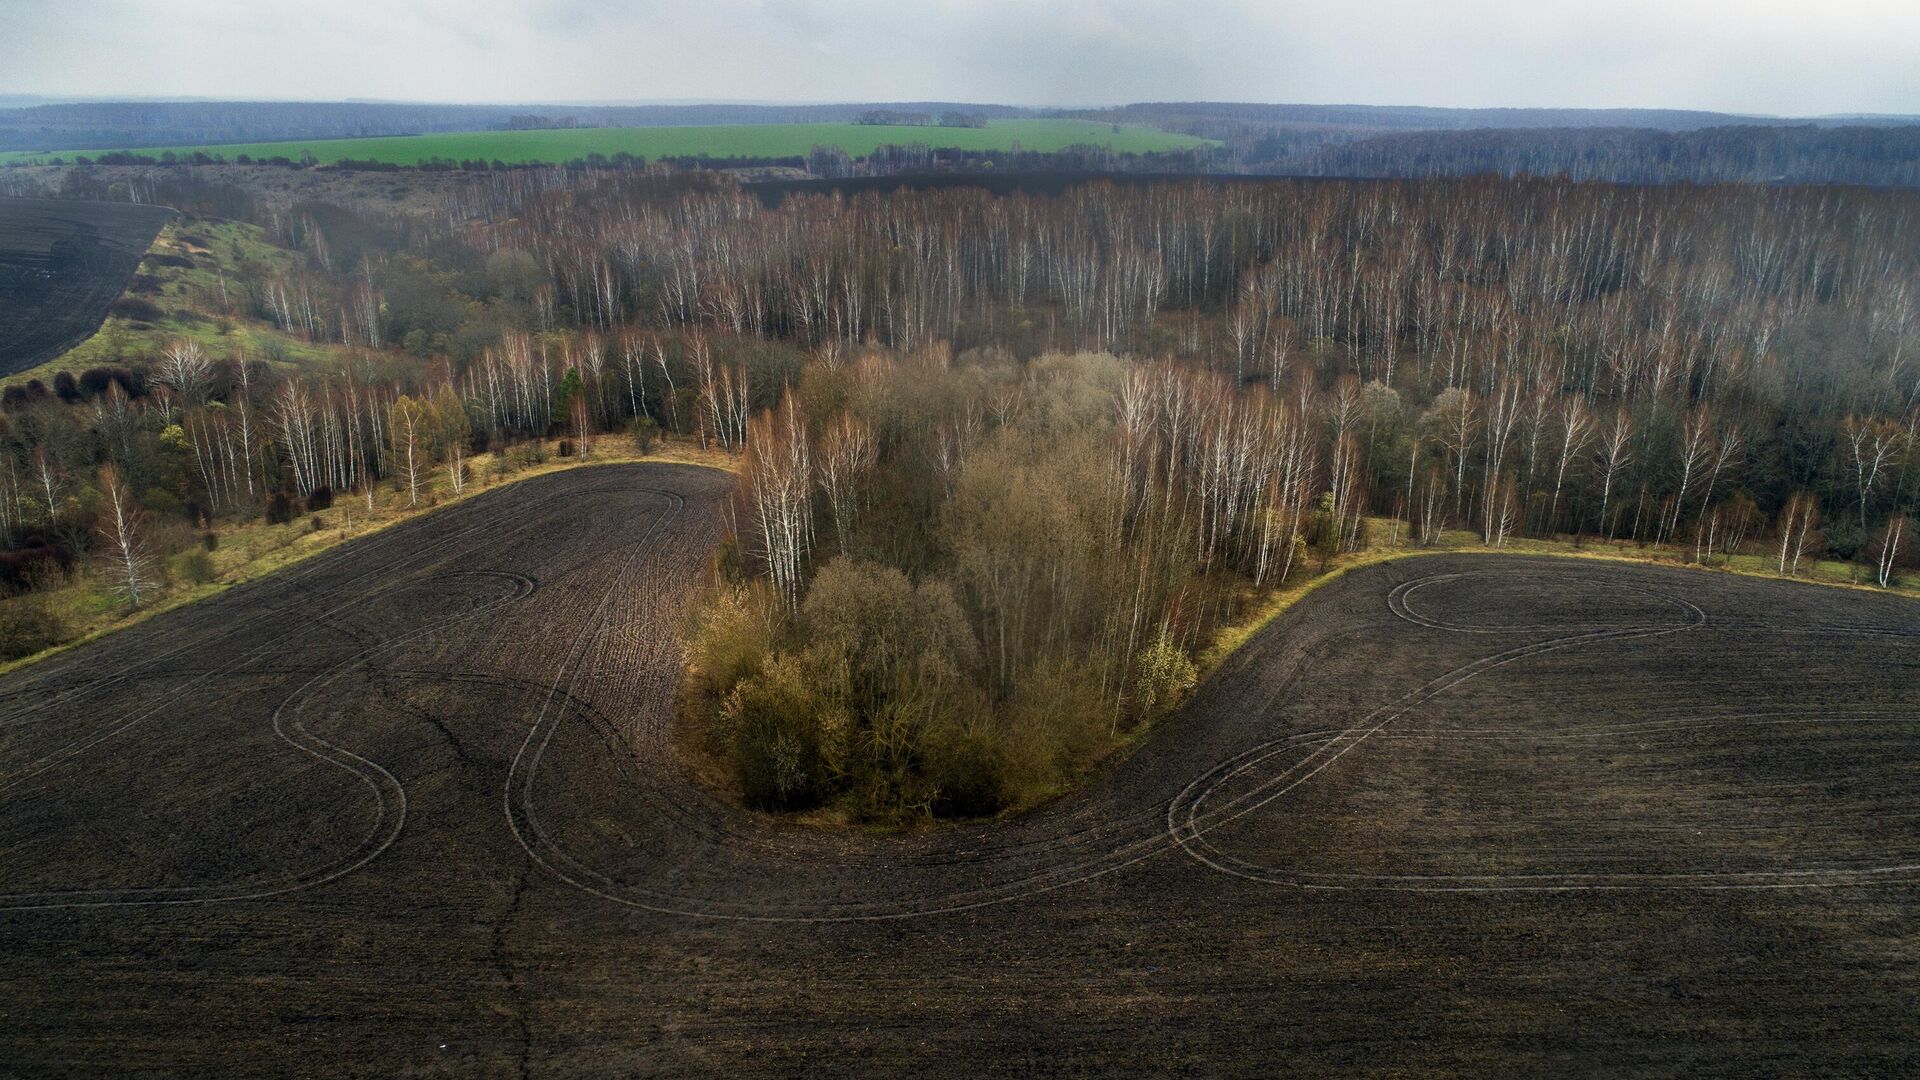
{"x":413,"y":806}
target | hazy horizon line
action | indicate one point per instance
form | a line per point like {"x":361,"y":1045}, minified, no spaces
{"x":46,"y":98}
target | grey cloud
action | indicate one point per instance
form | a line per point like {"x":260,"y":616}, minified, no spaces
{"x":1776,"y":56}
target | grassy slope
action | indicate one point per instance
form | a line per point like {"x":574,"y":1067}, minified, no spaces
{"x":191,"y":299}
{"x":255,"y":549}
{"x":730,"y":140}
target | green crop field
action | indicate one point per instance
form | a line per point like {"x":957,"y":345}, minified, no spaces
{"x":729,"y":140}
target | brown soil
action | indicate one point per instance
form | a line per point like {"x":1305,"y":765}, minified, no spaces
{"x":62,"y":264}
{"x":412,"y":807}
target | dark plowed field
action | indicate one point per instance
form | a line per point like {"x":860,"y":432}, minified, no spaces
{"x":62,"y":264}
{"x":411,"y":808}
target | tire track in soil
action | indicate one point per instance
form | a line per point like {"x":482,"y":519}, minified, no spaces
{"x":1188,"y":824}
{"x":549,"y":713}
{"x":1086,"y":840}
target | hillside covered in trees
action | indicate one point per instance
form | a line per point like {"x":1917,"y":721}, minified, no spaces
{"x":1008,"y":462}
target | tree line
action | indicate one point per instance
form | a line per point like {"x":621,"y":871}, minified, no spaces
{"x":1715,"y":341}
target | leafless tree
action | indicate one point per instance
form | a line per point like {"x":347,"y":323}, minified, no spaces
{"x":1615,"y":454}
{"x":1798,"y":527}
{"x":123,"y":527}
{"x":1892,"y":539}
{"x":409,"y":442}
{"x":1576,"y":430}
{"x":777,"y":485}
{"x":847,"y":453}
{"x":185,"y":367}
{"x":1871,"y":444}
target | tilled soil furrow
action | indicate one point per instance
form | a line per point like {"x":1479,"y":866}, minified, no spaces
{"x":1448,"y":813}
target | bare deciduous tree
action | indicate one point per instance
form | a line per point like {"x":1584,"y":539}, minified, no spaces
{"x":1798,"y":527}
{"x":778,"y":485}
{"x":185,"y":367}
{"x":409,"y":441}
{"x":1892,"y":541}
{"x":1615,"y":454}
{"x":123,"y":527}
{"x":847,"y":453}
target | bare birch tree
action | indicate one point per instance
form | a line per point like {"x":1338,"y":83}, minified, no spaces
{"x":122,"y":526}
{"x":409,"y":443}
{"x":847,"y":453}
{"x":1798,"y":525}
{"x":1615,"y":454}
{"x":185,"y":368}
{"x":778,"y":487}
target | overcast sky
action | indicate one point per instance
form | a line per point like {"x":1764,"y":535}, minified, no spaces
{"x":1796,"y":57}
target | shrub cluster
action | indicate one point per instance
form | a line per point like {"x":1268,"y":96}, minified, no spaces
{"x":28,"y":625}
{"x":865,"y":695}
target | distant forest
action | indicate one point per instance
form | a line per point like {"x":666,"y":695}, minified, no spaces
{"x":1620,"y":145}
{"x":1845,"y":155}
{"x":1230,"y":120}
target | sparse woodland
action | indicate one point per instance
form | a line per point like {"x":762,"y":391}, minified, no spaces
{"x":1008,"y":462}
